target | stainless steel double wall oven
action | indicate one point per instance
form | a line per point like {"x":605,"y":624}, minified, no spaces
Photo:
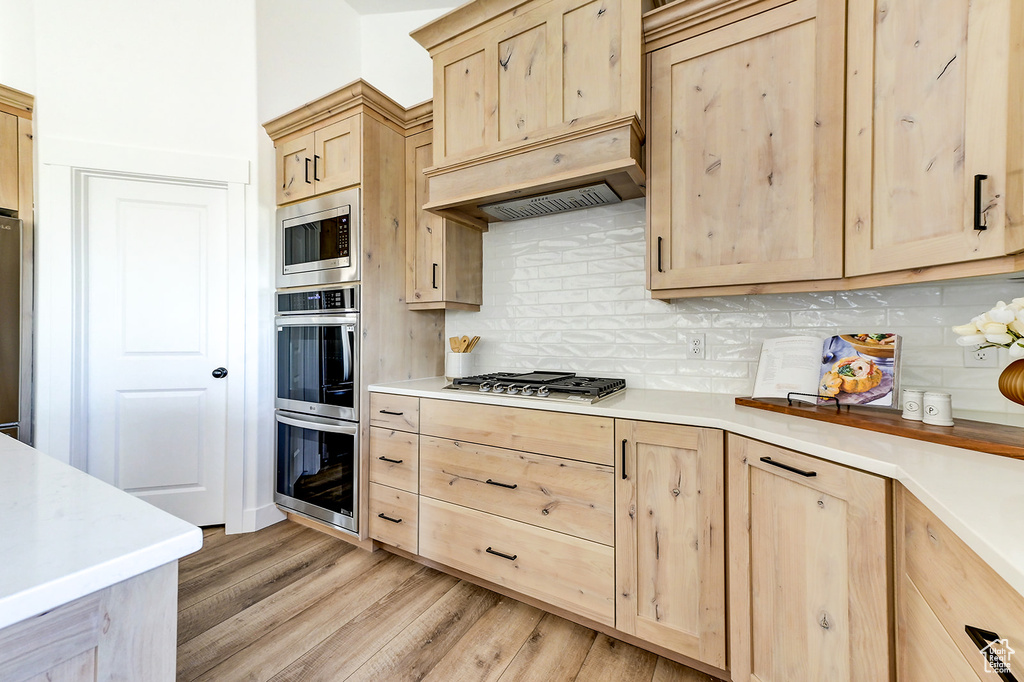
{"x":318,"y":360}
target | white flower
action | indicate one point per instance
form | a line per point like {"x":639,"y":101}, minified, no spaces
{"x":969,"y":328}
{"x":999,"y":339}
{"x":994,"y":329}
{"x":972,"y":340}
{"x":981,"y":320}
{"x":1000,"y":313}
{"x":1016,"y":326}
{"x":1017,"y":351}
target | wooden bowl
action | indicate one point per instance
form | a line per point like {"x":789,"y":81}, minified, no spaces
{"x":875,"y":350}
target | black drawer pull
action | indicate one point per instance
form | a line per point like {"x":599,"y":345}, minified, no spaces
{"x":660,"y":269}
{"x":433,"y":279}
{"x":308,"y":181}
{"x":978,"y":213}
{"x":624,"y":441}
{"x":388,"y":518}
{"x":503,"y":556}
{"x":987,"y":641}
{"x":394,"y":414}
{"x":316,"y":162}
{"x":502,"y":485}
{"x":807,"y":474}
{"x":390,"y":461}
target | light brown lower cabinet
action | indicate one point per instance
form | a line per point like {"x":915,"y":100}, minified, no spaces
{"x":809,"y":567}
{"x":670,"y":538}
{"x":562,"y":570}
{"x":944,"y":593}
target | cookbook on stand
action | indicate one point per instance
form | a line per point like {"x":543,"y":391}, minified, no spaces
{"x":853,"y":369}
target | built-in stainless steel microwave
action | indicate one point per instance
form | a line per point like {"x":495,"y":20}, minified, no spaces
{"x":318,"y":241}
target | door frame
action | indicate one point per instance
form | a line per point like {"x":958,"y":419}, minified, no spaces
{"x":61,"y":380}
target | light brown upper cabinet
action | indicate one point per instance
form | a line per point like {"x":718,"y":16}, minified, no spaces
{"x":8,"y":161}
{"x":670,"y":538}
{"x":320,"y":161}
{"x":809,"y":556}
{"x":445,"y":268}
{"x":745,"y":145}
{"x":935,"y":133}
{"x":534,"y":96}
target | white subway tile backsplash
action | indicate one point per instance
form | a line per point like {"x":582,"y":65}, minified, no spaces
{"x":567,"y":292}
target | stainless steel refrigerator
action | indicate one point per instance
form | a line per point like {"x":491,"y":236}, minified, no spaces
{"x":13,"y":374}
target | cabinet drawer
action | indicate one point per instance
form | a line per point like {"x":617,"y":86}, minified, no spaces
{"x":562,"y":570}
{"x":394,"y":458}
{"x":393,"y":517}
{"x":959,"y":588}
{"x":559,"y":494}
{"x":399,"y":412}
{"x":575,"y":436}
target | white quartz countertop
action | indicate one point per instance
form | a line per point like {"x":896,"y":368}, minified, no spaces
{"x":979,"y":496}
{"x":66,"y":534}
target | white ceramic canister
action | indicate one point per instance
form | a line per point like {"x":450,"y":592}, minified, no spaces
{"x":912,"y":403}
{"x":937,"y":409}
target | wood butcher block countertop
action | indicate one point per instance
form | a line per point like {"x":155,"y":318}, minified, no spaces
{"x":66,"y":534}
{"x":978,"y":495}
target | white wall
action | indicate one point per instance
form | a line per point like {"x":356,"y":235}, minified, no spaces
{"x":17,"y":47}
{"x":567,"y":292}
{"x":305,"y":49}
{"x":163,"y":89}
{"x":392,"y":61}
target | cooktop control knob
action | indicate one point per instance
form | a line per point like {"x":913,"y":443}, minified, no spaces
{"x":543,"y":391}
{"x":498,"y":388}
{"x":512,"y":389}
{"x":485,"y":386}
{"x":528,"y":390}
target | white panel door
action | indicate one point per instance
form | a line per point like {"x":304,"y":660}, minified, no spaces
{"x":157,"y":328}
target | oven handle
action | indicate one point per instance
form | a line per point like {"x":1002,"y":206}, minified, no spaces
{"x":346,"y":353}
{"x":316,"y":320}
{"x":317,"y":426}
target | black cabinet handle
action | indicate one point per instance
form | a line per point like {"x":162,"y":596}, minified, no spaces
{"x":316,"y":174}
{"x":396,"y":414}
{"x":660,"y":269}
{"x":433,"y":279}
{"x":807,"y":474}
{"x":978,"y":213}
{"x":388,"y":518}
{"x":624,"y":441}
{"x":502,"y":485}
{"x":308,"y":181}
{"x":985,"y":640}
{"x":392,"y":461}
{"x":503,"y":556}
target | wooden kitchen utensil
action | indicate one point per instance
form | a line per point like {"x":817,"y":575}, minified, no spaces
{"x":465,"y":344}
{"x":455,"y":343}
{"x":472,"y":344}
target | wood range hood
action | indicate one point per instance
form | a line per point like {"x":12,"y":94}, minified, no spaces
{"x":533,"y":98}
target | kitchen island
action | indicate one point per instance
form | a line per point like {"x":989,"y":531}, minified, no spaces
{"x":88,"y":581}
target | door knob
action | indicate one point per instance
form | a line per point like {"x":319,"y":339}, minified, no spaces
{"x":220,"y":373}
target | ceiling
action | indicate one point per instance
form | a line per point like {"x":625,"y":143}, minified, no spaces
{"x":389,"y":6}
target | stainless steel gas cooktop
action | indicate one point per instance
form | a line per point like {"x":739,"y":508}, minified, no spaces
{"x":543,"y":385}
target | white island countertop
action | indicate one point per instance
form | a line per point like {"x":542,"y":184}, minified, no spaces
{"x":979,"y":496}
{"x":66,"y":534}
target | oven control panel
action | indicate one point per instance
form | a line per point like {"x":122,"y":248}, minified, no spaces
{"x":318,"y":300}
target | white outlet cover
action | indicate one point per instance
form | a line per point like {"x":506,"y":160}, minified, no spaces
{"x":980,"y":357}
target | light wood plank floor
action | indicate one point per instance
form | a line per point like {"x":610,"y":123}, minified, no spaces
{"x":289,"y":603}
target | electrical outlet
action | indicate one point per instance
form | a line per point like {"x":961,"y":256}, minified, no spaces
{"x":695,"y":346}
{"x":980,"y":357}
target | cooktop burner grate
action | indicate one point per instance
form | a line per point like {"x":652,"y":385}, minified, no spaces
{"x":542,"y":384}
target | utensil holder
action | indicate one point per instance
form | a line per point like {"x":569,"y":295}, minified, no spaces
{"x":458,"y":365}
